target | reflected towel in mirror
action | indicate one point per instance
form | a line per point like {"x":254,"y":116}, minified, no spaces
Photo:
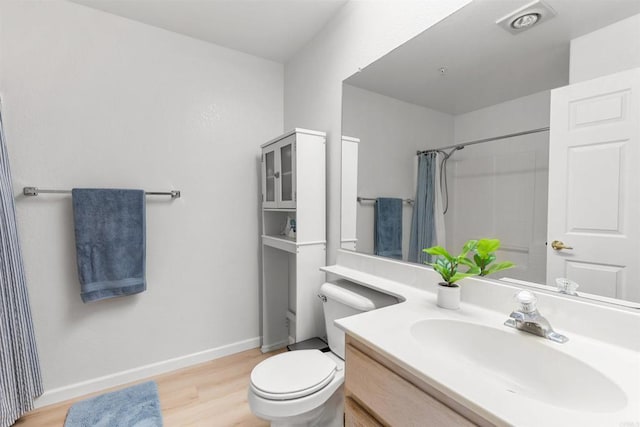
{"x":388,"y":227}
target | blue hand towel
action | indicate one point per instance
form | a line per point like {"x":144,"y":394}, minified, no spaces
{"x":110,"y":242}
{"x":388,"y":228}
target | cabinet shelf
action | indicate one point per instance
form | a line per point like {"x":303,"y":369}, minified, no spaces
{"x":279,"y":209}
{"x":280,"y":242}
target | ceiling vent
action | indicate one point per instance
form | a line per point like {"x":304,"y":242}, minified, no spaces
{"x":526,"y":17}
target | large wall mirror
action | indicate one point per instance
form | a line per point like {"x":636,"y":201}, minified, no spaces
{"x":507,"y":133}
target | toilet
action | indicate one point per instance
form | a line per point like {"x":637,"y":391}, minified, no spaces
{"x":304,"y":387}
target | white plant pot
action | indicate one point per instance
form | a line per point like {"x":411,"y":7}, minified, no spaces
{"x":449,"y":297}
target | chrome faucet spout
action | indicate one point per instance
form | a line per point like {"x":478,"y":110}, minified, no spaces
{"x":527,"y":318}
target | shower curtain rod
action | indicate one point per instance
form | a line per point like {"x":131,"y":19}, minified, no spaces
{"x":495,"y":138}
{"x":34,"y":191}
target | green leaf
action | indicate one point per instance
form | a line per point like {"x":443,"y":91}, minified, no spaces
{"x":443,"y":262}
{"x":443,"y":272}
{"x":474,"y":270}
{"x":478,"y":260}
{"x":487,"y":246}
{"x":459,"y":276}
{"x":466,"y":261}
{"x":499,"y":267}
{"x":438,"y":250}
{"x":468,"y":247}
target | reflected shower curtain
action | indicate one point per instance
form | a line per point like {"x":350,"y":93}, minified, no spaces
{"x":427,"y":223}
{"x":20,"y":380}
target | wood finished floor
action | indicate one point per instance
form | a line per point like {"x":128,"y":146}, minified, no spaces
{"x":205,"y":395}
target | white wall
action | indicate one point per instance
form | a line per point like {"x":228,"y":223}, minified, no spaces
{"x":499,"y":189}
{"x":91,"y":99}
{"x":360,"y":33}
{"x":390,"y":132}
{"x":605,"y":51}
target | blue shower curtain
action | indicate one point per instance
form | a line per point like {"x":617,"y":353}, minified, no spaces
{"x":423,"y":224}
{"x":20,"y":379}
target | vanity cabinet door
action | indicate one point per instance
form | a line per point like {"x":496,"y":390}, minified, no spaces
{"x":392,"y":399}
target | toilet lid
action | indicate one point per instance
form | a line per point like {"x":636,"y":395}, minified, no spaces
{"x":292,"y":374}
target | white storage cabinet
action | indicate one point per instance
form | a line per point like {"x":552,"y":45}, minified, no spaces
{"x":293,"y":187}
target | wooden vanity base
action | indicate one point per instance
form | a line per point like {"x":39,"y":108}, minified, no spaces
{"x":380,"y":393}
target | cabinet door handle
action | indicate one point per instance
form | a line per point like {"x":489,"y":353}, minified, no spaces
{"x":276,"y":175}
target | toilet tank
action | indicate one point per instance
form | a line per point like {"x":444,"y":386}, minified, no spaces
{"x":345,"y":299}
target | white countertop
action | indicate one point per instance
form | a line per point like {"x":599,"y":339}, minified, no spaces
{"x":388,"y":331}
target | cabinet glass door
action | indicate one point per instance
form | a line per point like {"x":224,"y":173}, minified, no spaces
{"x":286,"y":170}
{"x":270,"y":176}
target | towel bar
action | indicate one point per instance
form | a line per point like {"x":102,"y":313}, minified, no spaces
{"x":371,"y":199}
{"x":34,"y":191}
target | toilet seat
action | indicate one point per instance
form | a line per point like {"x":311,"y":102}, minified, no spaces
{"x":286,"y":410}
{"x":292,"y":375}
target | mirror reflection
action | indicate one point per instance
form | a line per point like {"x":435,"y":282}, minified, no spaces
{"x":474,"y":129}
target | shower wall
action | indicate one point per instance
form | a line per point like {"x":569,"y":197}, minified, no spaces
{"x":499,"y":189}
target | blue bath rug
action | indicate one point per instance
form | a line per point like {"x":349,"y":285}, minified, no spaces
{"x":136,"y":406}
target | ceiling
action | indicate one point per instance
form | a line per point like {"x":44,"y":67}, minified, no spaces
{"x":271,"y":29}
{"x":485,"y":64}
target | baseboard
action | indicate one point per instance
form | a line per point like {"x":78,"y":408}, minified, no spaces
{"x":274,"y":346}
{"x":119,"y":378}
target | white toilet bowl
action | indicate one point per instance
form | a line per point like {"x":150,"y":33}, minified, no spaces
{"x":313,"y":401}
{"x":304,"y":387}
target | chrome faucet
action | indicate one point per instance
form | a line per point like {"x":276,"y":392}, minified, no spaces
{"x":527,"y":318}
{"x":566,"y":286}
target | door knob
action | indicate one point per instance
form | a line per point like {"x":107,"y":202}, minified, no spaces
{"x":557,"y":245}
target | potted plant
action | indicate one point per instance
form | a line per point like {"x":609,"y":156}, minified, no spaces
{"x":485,"y":256}
{"x":447,"y":265}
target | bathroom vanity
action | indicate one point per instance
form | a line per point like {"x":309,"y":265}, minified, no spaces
{"x":378,"y":389}
{"x":528,"y":123}
{"x":414,"y":361}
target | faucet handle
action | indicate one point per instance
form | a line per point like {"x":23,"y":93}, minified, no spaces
{"x":566,"y":286}
{"x":526,"y":301}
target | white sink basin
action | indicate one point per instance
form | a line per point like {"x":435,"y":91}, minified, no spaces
{"x":519,"y":363}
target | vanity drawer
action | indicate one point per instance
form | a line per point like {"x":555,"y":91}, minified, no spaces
{"x":392,"y":399}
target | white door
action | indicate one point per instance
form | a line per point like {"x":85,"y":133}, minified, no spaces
{"x":594,"y":185}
